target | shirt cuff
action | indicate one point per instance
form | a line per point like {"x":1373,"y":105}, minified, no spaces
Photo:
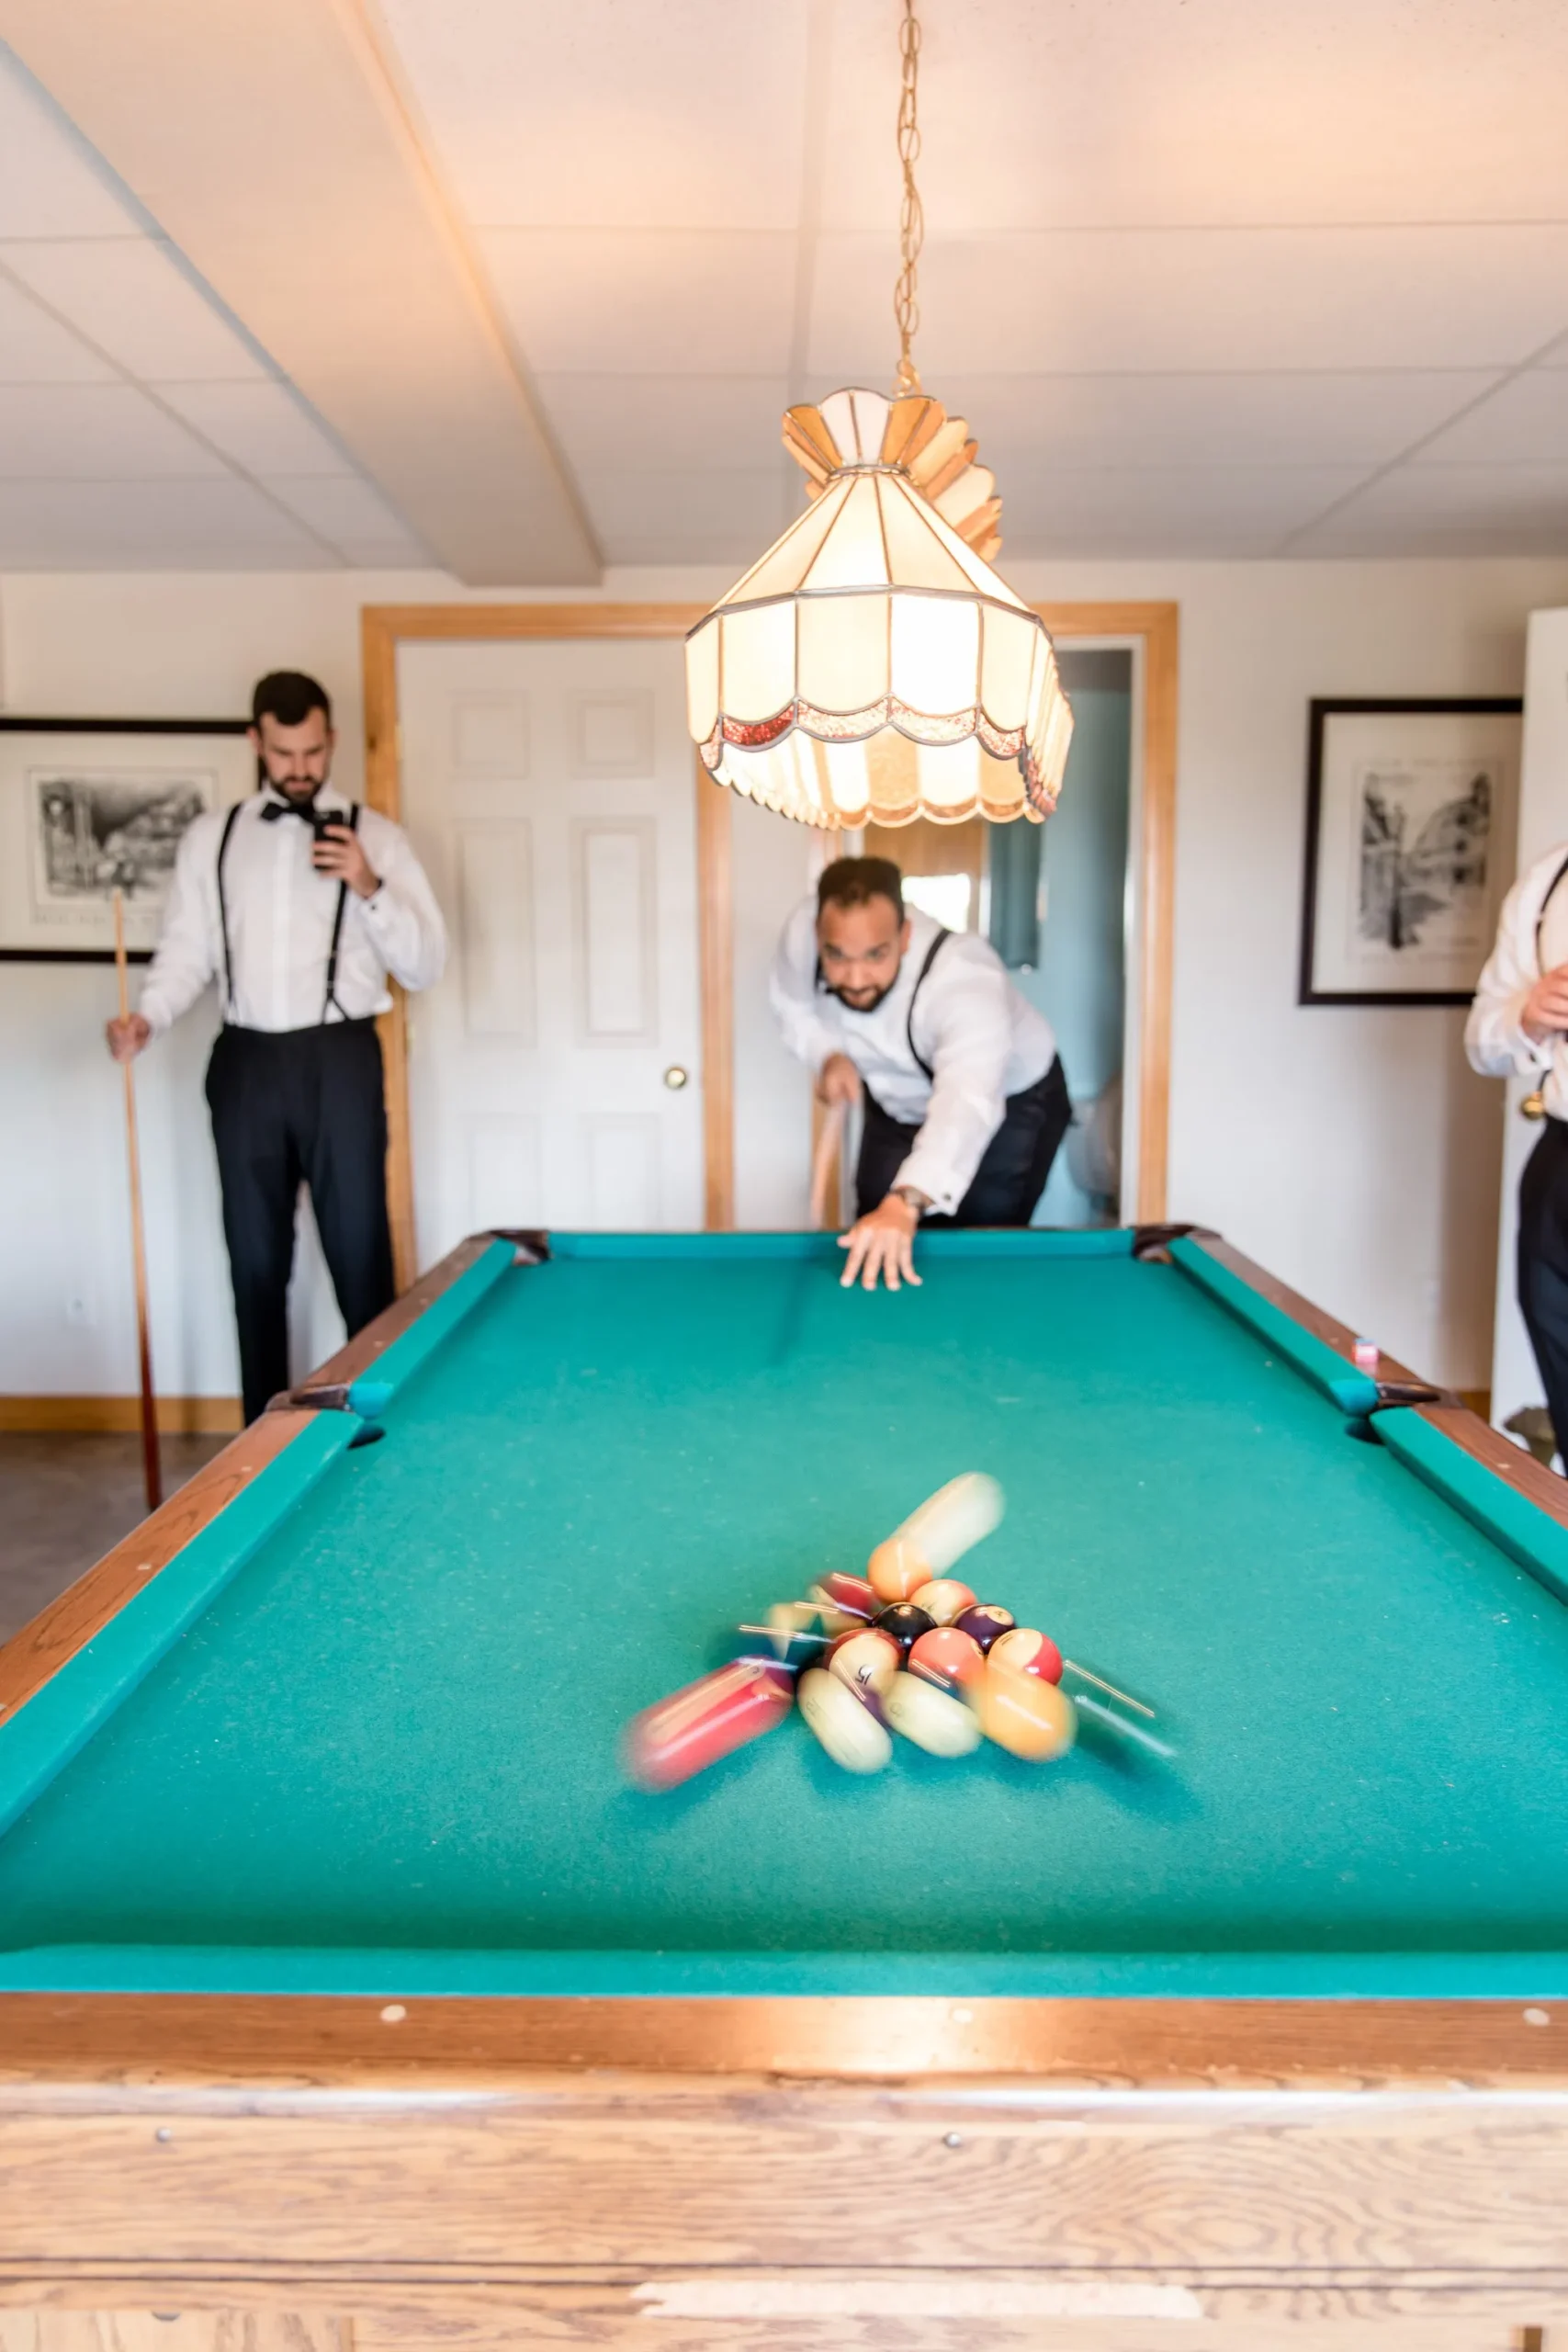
{"x":155,"y":1011}
{"x":1522,"y":1048}
{"x":921,"y":1176}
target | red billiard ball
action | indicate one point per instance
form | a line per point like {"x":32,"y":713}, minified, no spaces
{"x":947,"y":1657}
{"x":852,"y":1596}
{"x":985,"y":1623}
{"x":1027,"y":1652}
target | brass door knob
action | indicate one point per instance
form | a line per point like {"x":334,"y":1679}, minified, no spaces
{"x":675,"y":1077}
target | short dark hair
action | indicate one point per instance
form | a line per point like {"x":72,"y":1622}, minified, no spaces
{"x":851,"y":881}
{"x":289,"y":696}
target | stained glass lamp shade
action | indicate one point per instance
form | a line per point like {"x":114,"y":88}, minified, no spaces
{"x":873,"y":667}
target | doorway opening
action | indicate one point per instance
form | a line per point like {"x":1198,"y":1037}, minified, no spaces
{"x":1052,"y":900}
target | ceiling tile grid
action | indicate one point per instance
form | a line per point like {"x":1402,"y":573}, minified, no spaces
{"x":141,"y":427}
{"x":1206,"y":276}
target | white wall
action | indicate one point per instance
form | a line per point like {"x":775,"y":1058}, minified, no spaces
{"x":1349,"y":1151}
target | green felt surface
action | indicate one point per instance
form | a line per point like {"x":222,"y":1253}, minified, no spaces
{"x":385,"y":1755}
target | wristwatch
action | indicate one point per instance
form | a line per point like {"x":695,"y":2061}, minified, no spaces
{"x":917,"y":1200}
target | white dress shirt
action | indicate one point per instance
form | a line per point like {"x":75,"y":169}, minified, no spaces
{"x":983,"y":1040}
{"x":280,"y":922}
{"x":1494,"y":1034}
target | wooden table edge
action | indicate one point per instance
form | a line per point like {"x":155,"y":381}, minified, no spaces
{"x":1517,"y":1467}
{"x":33,"y":1655}
{"x":1078,"y":2046}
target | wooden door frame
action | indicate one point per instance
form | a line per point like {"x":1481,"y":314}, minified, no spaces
{"x":1151,"y":629}
{"x":383,"y":627}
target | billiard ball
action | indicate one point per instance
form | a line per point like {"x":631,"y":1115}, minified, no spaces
{"x":1028,"y":1717}
{"x":1027,"y":1652}
{"x":847,"y":1729}
{"x":944,"y":1599}
{"x":896,"y":1569}
{"x":867,"y":1660}
{"x":854,"y":1595}
{"x":985,"y":1622}
{"x":933,"y":1719}
{"x":904,"y":1622}
{"x":694,"y":1727}
{"x":946,"y":1657}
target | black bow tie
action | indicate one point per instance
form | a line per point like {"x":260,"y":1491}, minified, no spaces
{"x":308,"y":813}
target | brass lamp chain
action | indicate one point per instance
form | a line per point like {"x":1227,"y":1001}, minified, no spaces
{"x":911,"y":217}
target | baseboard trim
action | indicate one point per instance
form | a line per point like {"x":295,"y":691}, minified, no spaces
{"x":177,"y":1416}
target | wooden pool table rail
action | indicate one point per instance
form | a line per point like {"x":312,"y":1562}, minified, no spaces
{"x":1512,"y":1463}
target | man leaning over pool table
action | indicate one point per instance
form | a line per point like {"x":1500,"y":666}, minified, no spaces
{"x":964,"y":1099}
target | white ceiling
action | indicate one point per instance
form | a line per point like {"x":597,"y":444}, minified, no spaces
{"x":1208,"y":277}
{"x":139,"y":426}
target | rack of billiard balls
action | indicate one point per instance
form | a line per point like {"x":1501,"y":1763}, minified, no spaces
{"x":906,"y":1649}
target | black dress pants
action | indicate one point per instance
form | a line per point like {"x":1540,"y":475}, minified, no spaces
{"x":1542,"y":1265}
{"x":1011,"y":1177}
{"x":300,"y":1105}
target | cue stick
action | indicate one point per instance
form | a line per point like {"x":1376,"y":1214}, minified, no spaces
{"x":150,"y":1467}
{"x":825,"y":1161}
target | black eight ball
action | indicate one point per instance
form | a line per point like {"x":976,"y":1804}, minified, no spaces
{"x":906,"y":1624}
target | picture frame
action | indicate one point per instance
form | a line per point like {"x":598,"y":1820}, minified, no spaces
{"x":1411,"y":816}
{"x":90,"y":804}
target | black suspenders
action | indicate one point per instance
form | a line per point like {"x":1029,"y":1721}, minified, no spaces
{"x":1541,"y":919}
{"x":329,"y":1000}
{"x":230,"y":822}
{"x":931,"y":953}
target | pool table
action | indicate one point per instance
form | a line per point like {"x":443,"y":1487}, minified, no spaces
{"x":345,"y":1982}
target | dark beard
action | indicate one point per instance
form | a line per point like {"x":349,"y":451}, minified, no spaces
{"x":875,"y":1001}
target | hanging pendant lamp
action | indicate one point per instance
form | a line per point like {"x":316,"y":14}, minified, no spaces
{"x":873,"y":667}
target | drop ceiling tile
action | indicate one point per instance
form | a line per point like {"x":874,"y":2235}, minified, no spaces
{"x":1525,"y":421}
{"x":132,"y":298}
{"x":1450,"y":511}
{"x":94,"y":433}
{"x":689,"y":515}
{"x":1230,"y":111}
{"x":1162,"y":508}
{"x":605,"y":423}
{"x":265,"y":427}
{"x":1221,"y":300}
{"x":354,"y":517}
{"x":51,"y":182}
{"x":674,"y":115}
{"x":149,"y":526}
{"x":1287,"y":419}
{"x":597,"y":301}
{"x":36,"y":349}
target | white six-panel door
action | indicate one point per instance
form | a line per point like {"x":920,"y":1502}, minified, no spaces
{"x":554,"y":1074}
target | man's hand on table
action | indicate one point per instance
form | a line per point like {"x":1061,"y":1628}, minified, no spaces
{"x":883,"y":1244}
{"x":1546,"y":1007}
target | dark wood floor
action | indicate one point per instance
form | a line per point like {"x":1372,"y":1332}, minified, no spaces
{"x":64,"y":1500}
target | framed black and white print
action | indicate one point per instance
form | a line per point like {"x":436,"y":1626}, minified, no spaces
{"x":1411,"y":816}
{"x":90,"y":805}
